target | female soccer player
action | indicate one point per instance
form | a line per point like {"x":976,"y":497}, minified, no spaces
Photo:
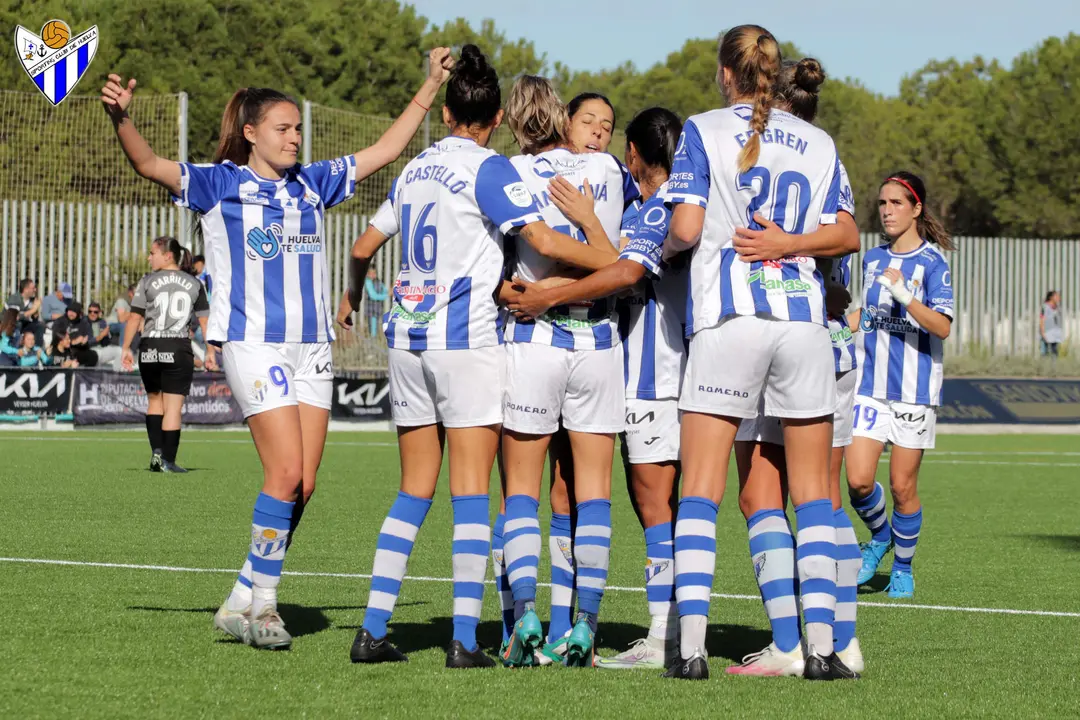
{"x":760,"y":456}
{"x":167,"y":298}
{"x":906,"y":315}
{"x":756,"y":330}
{"x":651,"y":331}
{"x":452,"y":205}
{"x":262,"y":217}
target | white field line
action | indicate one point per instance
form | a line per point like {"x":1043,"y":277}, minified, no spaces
{"x":614,"y":588}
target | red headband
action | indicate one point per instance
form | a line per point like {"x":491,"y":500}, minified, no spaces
{"x":905,"y":184}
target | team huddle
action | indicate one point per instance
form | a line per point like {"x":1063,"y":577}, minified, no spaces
{"x":691,"y":299}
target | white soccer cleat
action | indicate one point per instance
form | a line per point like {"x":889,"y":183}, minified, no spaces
{"x":648,"y":652}
{"x":852,"y":656}
{"x":232,"y":622}
{"x":267,"y":631}
{"x":771,"y":662}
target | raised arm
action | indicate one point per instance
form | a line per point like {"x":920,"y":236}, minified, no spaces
{"x":393,"y":142}
{"x":117,"y":97}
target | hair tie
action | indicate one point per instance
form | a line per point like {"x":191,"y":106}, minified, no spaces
{"x":903,"y":182}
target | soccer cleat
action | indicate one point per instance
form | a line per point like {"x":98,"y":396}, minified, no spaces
{"x":852,"y":656}
{"x":647,"y":652}
{"x":167,"y":466}
{"x":553,"y":652}
{"x":872,"y":553}
{"x":829,"y":668}
{"x":771,"y":662}
{"x":267,"y":631}
{"x":526,"y":639}
{"x":579,"y":646}
{"x":155,"y":461}
{"x":696,"y":667}
{"x":233,"y":623}
{"x":460,"y":658}
{"x":901,"y":584}
{"x":366,"y":649}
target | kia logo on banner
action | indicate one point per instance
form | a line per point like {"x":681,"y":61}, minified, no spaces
{"x":361,"y":399}
{"x":34,"y":392}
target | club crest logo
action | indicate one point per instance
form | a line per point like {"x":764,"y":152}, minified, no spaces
{"x":565,"y":549}
{"x":55,"y":60}
{"x":759,"y":564}
{"x":652,"y":569}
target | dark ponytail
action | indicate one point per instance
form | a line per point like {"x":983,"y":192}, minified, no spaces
{"x":247,"y":106}
{"x":472,"y":93}
{"x":181,"y":255}
{"x":655,"y":133}
{"x":930,"y":228}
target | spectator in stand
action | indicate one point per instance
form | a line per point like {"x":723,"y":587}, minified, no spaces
{"x":54,"y":306}
{"x":9,"y":323}
{"x":61,"y":352}
{"x":30,"y":354}
{"x":77,"y":329}
{"x":374,"y":292}
{"x":29,"y":307}
{"x":198,"y":269}
{"x":118,"y":316}
{"x":1051,"y":330}
{"x":101,"y":341}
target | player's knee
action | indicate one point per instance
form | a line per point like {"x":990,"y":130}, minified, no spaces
{"x":903,"y":491}
{"x":286,"y":477}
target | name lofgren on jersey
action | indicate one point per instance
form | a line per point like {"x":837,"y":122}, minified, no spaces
{"x":168,"y":300}
{"x":265,"y":247}
{"x":452,"y":205}
{"x":796,"y":183}
{"x":584,"y":326}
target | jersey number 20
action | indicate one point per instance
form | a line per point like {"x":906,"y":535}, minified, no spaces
{"x":760,"y":179}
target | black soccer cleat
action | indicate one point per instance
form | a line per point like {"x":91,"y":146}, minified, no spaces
{"x":155,"y":461}
{"x":695,"y":668}
{"x":459,"y":658}
{"x":366,"y":649}
{"x":168,"y":466}
{"x":829,"y":668}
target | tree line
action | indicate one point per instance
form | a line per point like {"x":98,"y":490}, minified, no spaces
{"x":997,"y":146}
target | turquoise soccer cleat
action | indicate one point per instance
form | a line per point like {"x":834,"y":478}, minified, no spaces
{"x":579,"y":646}
{"x":872,"y":554}
{"x":528,"y":636}
{"x":901,"y":584}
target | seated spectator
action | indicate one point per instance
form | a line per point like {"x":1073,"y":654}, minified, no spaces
{"x":29,"y":307}
{"x":119,"y":314}
{"x":54,"y":306}
{"x":77,"y":329}
{"x":31,"y":355}
{"x":9,"y":351}
{"x":60,"y":353}
{"x":101,"y":340}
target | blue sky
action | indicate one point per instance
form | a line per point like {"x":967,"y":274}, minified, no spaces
{"x":873,"y":41}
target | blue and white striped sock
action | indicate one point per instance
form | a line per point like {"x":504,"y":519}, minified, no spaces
{"x":592,"y":549}
{"x":660,"y":580}
{"x":905,"y":534}
{"x":695,"y":564}
{"x":239,"y":599}
{"x":395,"y":544}
{"x":872,"y":511}
{"x":848,"y":564}
{"x":502,"y":580}
{"x":562,"y":576}
{"x":816,"y":553}
{"x":472,"y":542}
{"x":521,"y":551}
{"x":772,"y":550}
{"x":269,"y":539}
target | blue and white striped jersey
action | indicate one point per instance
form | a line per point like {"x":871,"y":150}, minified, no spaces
{"x":452,"y":204}
{"x":265,"y":248}
{"x":651,"y":321}
{"x":796,"y":183}
{"x":582,"y":326}
{"x":843,"y":342}
{"x":898,"y":360}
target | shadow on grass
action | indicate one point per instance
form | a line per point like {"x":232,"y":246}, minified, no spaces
{"x":876,"y":584}
{"x":1069,"y":543}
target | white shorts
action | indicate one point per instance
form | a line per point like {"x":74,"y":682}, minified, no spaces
{"x":735,"y":365}
{"x":583,"y":387}
{"x":903,"y":424}
{"x":458,"y":388}
{"x":652,"y":431}
{"x":764,"y":428}
{"x":267,"y":376}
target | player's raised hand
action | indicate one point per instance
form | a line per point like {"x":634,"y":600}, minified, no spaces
{"x":116,"y":96}
{"x":440,"y":63}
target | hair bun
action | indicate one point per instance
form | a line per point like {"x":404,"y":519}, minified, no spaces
{"x":809,"y":75}
{"x":472,"y":62}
